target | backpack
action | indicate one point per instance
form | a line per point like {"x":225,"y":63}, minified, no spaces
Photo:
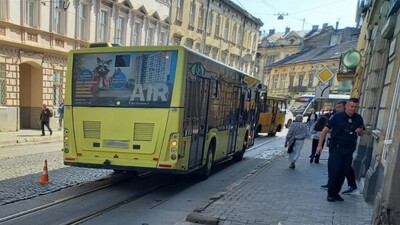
{"x":50,"y":113}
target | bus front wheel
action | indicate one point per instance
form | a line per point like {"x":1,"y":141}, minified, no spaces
{"x":239,"y":155}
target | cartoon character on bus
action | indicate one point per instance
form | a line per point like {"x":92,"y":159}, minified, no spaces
{"x":101,"y":74}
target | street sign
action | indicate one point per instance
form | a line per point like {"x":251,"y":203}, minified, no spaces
{"x":322,"y":92}
{"x":325,"y":75}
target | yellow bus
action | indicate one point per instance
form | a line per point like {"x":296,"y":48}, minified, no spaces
{"x":164,"y":109}
{"x":271,"y":114}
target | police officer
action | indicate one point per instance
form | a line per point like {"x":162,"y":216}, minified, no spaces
{"x":345,"y":127}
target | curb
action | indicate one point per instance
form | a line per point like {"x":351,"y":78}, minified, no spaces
{"x":27,"y":140}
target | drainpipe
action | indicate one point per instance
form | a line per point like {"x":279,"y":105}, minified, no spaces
{"x":205,"y":28}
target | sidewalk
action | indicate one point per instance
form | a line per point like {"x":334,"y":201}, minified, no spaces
{"x":28,"y":136}
{"x":275,"y":194}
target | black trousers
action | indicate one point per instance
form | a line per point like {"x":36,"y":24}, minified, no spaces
{"x":45,"y":123}
{"x":339,"y":164}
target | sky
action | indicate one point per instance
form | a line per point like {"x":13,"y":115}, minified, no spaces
{"x":301,"y":14}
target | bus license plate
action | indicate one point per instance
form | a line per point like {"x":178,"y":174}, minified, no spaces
{"x":116,"y":144}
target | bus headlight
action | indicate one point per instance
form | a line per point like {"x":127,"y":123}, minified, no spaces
{"x":66,"y":150}
{"x":173,"y":156}
{"x":174,"y":143}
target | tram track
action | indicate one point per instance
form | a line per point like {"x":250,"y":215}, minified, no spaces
{"x":18,"y":218}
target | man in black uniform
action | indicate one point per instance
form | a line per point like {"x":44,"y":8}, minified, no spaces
{"x":345,"y":127}
{"x":350,"y":176}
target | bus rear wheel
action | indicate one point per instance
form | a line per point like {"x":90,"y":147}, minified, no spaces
{"x":206,"y":170}
{"x":239,"y":155}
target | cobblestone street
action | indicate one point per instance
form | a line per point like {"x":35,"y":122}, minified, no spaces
{"x":22,"y":167}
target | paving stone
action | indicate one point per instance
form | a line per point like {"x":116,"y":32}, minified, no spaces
{"x":274,"y":194}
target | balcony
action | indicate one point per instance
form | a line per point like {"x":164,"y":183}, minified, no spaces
{"x":297,"y":88}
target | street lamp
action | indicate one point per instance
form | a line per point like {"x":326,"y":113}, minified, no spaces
{"x":280,"y":15}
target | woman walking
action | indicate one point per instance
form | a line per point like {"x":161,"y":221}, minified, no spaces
{"x":312,"y":118}
{"x":295,"y":139}
{"x":315,"y":133}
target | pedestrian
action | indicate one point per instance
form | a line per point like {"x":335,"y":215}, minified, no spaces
{"x":315,"y":134}
{"x":345,"y":127}
{"x":60,"y":114}
{"x":312,"y":118}
{"x":295,"y":137}
{"x":45,"y":115}
{"x":350,"y":176}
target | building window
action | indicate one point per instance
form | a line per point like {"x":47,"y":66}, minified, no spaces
{"x":210,"y":22}
{"x":240,"y":36}
{"x":201,"y":18}
{"x":223,"y":56}
{"x":254,"y":42}
{"x":226,"y":30}
{"x":234,"y":33}
{"x":150,"y":36}
{"x":192,"y":14}
{"x":310,"y":80}
{"x":217,"y":25}
{"x":275,"y":85}
{"x":161,"y":38}
{"x":291,"y":81}
{"x":3,"y":9}
{"x":179,"y":13}
{"x":83,"y":22}
{"x":120,"y":32}
{"x":103,"y":26}
{"x":57,"y":87}
{"x":283,"y":83}
{"x":31,"y":13}
{"x":136,"y":33}
{"x":270,"y":60}
{"x":2,"y":84}
{"x":301,"y":78}
{"x":177,"y":40}
{"x":59,"y":17}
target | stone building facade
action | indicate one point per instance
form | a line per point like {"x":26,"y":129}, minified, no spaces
{"x":35,"y":37}
{"x":217,"y":28}
{"x":377,"y":83}
{"x":294,"y":75}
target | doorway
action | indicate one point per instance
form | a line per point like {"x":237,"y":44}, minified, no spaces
{"x":30,"y":95}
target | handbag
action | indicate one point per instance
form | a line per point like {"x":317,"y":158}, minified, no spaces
{"x":290,"y":149}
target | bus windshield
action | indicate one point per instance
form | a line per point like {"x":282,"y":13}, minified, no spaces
{"x":131,"y":79}
{"x":300,"y":105}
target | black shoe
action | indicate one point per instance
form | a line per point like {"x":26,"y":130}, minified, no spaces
{"x":292,"y":166}
{"x":331,"y":199}
{"x":349,"y":191}
{"x":325,"y":187}
{"x":312,"y":159}
{"x":338,"y":198}
{"x":316,"y":162}
{"x":42,"y":135}
{"x":51,"y":132}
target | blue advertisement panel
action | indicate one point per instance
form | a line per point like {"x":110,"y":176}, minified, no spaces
{"x":132,"y":79}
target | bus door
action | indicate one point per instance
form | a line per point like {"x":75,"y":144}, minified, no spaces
{"x":197,"y":106}
{"x":236,"y":118}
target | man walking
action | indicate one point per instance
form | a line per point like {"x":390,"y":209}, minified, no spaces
{"x":60,"y":114}
{"x":345,"y":127}
{"x":45,"y":119}
{"x":350,"y":176}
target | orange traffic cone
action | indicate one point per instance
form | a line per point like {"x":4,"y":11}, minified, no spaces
{"x":44,"y":179}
